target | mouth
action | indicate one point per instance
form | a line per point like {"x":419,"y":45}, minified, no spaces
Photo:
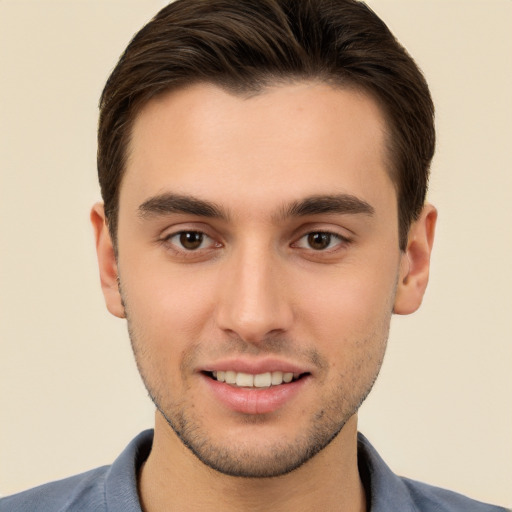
{"x":255,"y":388}
{"x":254,"y":381}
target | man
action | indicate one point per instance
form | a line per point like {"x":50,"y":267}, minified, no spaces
{"x":263,"y":167}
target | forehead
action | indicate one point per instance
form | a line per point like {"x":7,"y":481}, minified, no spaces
{"x":288,"y":140}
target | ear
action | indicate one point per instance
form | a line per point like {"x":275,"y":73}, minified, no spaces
{"x":106,"y":261}
{"x":415,"y":263}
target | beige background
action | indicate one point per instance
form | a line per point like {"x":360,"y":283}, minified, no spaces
{"x":70,"y":397}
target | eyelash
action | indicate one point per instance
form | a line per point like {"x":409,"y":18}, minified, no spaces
{"x":341,"y":241}
{"x":178,"y":248}
{"x":178,"y":245}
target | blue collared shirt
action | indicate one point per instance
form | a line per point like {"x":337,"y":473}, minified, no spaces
{"x":114,"y":488}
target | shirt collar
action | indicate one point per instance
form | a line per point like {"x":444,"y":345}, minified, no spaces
{"x":385,"y":491}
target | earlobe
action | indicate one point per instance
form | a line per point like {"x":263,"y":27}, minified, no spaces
{"x":415,"y":264}
{"x":106,"y":261}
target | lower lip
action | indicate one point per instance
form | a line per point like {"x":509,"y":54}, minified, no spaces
{"x":255,"y":400}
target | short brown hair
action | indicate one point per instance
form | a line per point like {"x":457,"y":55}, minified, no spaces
{"x":245,"y":45}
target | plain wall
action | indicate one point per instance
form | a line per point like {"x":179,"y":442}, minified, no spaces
{"x":70,"y":396}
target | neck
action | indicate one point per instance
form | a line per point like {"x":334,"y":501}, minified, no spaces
{"x":173,"y":479}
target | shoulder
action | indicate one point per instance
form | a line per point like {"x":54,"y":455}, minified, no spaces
{"x":108,"y":488}
{"x":80,"y":492}
{"x":388,"y":492}
{"x":429,"y":498}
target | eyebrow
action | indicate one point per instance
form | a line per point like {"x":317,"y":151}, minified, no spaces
{"x":325,"y":204}
{"x":168,"y":203}
{"x":165,"y":204}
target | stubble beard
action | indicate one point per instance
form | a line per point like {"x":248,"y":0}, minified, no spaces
{"x":239,"y":458}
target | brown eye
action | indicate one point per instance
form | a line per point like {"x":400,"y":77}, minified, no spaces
{"x":191,"y":240}
{"x":319,"y":241}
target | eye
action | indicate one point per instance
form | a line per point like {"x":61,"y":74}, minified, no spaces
{"x":190,"y":240}
{"x":320,"y":241}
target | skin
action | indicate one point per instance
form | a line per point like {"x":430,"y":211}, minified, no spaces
{"x":260,"y":289}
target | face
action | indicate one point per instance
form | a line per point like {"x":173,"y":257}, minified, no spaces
{"x":258,"y":260}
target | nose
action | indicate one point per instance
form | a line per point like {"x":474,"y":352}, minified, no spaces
{"x":254,"y":300}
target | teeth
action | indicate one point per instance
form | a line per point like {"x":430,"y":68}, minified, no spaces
{"x":277,"y":378}
{"x":244,"y":380}
{"x":230,"y":377}
{"x":261,"y":380}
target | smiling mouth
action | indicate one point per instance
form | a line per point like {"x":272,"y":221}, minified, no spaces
{"x":260,"y":380}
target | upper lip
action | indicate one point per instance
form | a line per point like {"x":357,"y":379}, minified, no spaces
{"x":255,"y":366}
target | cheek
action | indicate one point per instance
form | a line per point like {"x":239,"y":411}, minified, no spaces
{"x":348,"y":308}
{"x":165,"y":317}
{"x":168,"y":311}
{"x":352,"y":330}
{"x":339,"y":297}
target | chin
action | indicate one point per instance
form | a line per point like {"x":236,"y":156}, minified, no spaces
{"x":260,"y":458}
